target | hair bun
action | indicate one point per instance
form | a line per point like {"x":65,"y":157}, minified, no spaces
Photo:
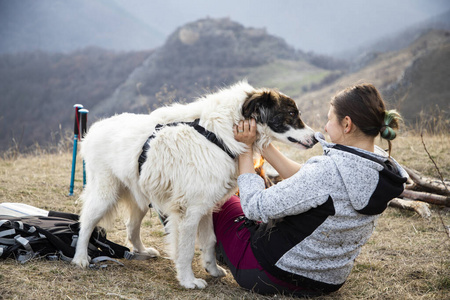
{"x":387,"y":133}
{"x":390,"y":121}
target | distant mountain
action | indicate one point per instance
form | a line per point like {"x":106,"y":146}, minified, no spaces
{"x":413,"y":80}
{"x":64,"y":26}
{"x":395,"y":41}
{"x":198,"y":56}
{"x":423,"y":92}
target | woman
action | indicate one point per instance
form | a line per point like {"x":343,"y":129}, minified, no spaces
{"x":322,"y":213}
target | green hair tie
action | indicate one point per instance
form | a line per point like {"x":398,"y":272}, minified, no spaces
{"x":386,"y":131}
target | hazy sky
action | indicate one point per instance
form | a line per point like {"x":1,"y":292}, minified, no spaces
{"x":324,"y":26}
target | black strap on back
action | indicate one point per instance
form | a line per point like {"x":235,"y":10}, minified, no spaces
{"x":210,"y":136}
{"x":387,"y":164}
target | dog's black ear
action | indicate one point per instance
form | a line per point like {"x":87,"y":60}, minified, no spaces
{"x":256,"y":101}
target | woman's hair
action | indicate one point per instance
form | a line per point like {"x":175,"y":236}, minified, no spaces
{"x":365,"y":107}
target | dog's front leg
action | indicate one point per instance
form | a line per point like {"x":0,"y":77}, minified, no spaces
{"x":207,"y":241}
{"x":81,"y":257}
{"x":187,"y":231}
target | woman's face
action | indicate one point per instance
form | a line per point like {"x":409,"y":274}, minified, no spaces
{"x":334,"y":127}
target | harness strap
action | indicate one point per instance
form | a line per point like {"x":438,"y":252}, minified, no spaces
{"x":136,"y":256}
{"x":210,"y":136}
{"x":98,"y":259}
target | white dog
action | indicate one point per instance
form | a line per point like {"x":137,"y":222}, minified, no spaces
{"x":184,"y":170}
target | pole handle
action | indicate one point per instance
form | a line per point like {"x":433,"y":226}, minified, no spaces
{"x":76,"y":127}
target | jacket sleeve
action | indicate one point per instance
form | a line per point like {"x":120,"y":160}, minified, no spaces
{"x":307,"y":189}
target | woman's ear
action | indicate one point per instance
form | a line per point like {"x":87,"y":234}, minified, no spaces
{"x":347,"y":124}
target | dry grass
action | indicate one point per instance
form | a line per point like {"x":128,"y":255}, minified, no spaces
{"x":406,"y":258}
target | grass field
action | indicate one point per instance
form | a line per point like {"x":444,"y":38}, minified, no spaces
{"x":406,"y":258}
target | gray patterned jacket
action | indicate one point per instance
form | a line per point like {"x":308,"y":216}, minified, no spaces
{"x":325,"y":213}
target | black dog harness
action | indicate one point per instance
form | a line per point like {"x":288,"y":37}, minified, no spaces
{"x":195,"y":124}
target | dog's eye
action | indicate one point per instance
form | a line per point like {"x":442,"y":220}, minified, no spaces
{"x":293,"y":114}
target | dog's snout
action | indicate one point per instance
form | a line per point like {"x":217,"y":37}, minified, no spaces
{"x":312,"y":141}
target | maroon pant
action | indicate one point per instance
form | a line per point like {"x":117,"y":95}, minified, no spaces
{"x":233,"y":247}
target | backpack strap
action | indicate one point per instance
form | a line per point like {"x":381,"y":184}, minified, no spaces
{"x":15,"y":235}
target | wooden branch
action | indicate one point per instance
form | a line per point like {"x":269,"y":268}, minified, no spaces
{"x":427,"y":197}
{"x":422,"y":208}
{"x":419,"y":183}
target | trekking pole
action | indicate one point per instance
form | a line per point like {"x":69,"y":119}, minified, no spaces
{"x":76,"y":132}
{"x":84,"y":112}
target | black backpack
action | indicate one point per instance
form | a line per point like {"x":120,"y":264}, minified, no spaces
{"x":54,"y":237}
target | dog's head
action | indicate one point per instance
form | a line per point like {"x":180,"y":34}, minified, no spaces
{"x":277,"y":117}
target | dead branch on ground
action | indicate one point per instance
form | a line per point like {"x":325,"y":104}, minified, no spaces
{"x":427,"y":197}
{"x":423,"y":189}
{"x":422,"y":208}
{"x":419,"y":182}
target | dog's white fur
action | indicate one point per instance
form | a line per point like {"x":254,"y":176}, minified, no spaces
{"x":184,"y":177}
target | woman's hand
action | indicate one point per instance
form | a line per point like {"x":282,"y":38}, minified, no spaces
{"x":245,"y":132}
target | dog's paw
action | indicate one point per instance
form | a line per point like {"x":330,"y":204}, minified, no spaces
{"x":217,"y":271}
{"x":195,"y":283}
{"x":152,"y":252}
{"x":220,"y":272}
{"x":80,"y":261}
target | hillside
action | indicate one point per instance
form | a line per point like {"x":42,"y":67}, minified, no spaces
{"x":406,"y":79}
{"x":38,"y":90}
{"x":210,"y":53}
{"x":423,"y":93}
{"x":199,"y":56}
{"x":399,"y":40}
